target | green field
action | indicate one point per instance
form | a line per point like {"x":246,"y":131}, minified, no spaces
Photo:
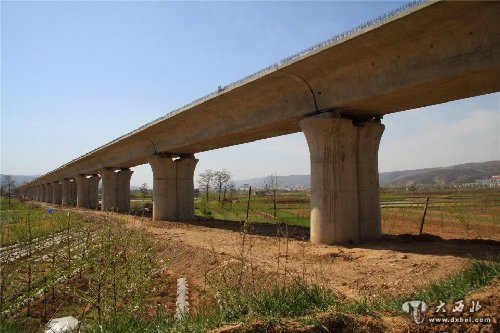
{"x":292,"y":208}
{"x":470,"y":210}
{"x":61,"y":263}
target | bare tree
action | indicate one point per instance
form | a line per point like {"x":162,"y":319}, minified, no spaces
{"x":205,"y":180}
{"x":7,"y":183}
{"x":144,"y":191}
{"x":231,"y":187}
{"x":221,"y":178}
{"x":272,"y":189}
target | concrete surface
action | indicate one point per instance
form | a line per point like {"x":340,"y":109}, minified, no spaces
{"x":48,"y":193}
{"x":65,"y":192}
{"x":82,"y":191}
{"x":345,"y":197}
{"x":94,"y":191}
{"x":123,"y":190}
{"x":109,"y":189}
{"x":164,"y":188}
{"x":56,"y":193}
{"x":185,"y":187}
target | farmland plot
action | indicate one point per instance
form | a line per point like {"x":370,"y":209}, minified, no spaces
{"x":92,"y":268}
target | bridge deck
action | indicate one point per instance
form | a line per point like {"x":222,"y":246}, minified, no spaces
{"x":428,"y":54}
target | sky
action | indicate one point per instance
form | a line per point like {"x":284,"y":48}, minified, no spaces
{"x":76,"y":75}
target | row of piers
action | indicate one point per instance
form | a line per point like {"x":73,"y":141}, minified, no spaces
{"x":345,"y":195}
{"x":173,"y":189}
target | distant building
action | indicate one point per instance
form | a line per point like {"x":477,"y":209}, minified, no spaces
{"x":493,"y":181}
{"x":244,"y":187}
{"x":294,"y":188}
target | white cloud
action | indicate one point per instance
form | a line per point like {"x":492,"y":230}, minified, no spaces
{"x":473,"y":137}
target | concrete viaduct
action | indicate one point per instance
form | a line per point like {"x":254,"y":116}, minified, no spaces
{"x":336,"y":93}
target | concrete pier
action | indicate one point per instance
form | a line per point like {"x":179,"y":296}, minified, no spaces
{"x":94,"y":191}
{"x":369,"y":135}
{"x":344,"y":181}
{"x":185,"y":167}
{"x":164,"y":188}
{"x":82,"y":190}
{"x":56,"y":193}
{"x":66,"y":192}
{"x":43,"y":191}
{"x":74,"y":192}
{"x":173,"y":187}
{"x":123,"y":190}
{"x":48,"y":193}
{"x":109,"y":189}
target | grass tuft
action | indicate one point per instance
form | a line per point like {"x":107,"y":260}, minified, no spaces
{"x":477,"y":275}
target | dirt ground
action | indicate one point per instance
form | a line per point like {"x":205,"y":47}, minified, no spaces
{"x":392,"y":265}
{"x":447,"y":229}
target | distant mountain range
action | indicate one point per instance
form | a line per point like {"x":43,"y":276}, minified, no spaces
{"x":285,"y":181}
{"x":18,"y":179}
{"x":456,"y":174}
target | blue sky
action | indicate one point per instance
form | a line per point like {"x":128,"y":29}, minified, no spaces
{"x":76,"y":75}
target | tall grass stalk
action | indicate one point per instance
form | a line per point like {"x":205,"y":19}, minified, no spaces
{"x":2,"y":274}
{"x":30,"y":263}
{"x":68,"y":240}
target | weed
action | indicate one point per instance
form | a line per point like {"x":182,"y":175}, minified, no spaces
{"x":477,"y":275}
